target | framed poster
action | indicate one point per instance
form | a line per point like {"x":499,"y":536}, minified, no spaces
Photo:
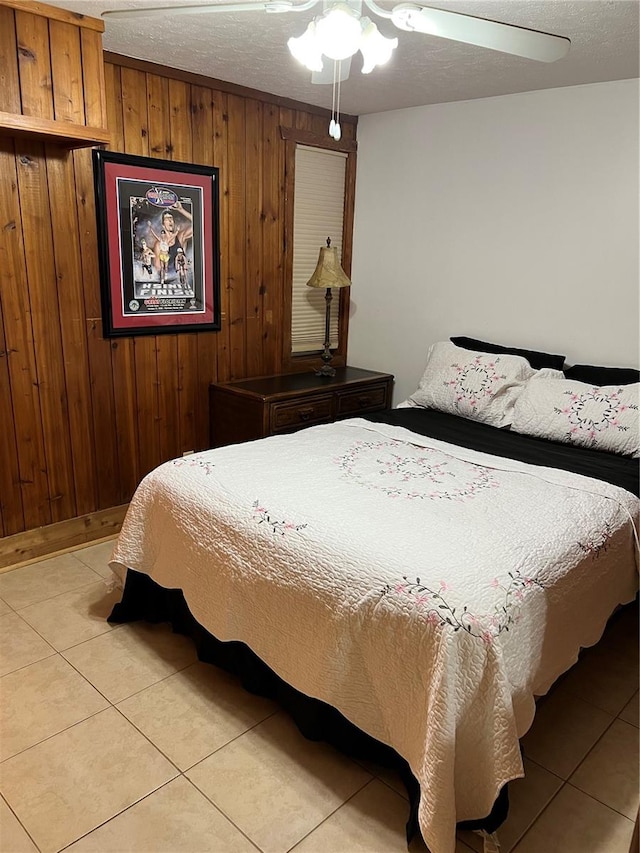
{"x":158,"y":233}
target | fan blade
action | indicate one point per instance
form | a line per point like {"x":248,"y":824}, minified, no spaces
{"x":326,"y":75}
{"x":272,"y":6}
{"x":506,"y":38}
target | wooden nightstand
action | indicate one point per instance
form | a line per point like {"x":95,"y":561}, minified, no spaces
{"x":256,"y":408}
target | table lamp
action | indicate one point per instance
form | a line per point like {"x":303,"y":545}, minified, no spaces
{"x":329,"y":274}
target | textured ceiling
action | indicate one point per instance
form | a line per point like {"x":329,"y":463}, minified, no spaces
{"x":250,"y":49}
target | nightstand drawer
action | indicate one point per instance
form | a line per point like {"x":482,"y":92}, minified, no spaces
{"x":366,"y":400}
{"x":315,"y":410}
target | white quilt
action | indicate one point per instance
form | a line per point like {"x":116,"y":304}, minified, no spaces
{"x":426,"y":591}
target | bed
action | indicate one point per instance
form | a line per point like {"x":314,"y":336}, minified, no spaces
{"x":418,"y":575}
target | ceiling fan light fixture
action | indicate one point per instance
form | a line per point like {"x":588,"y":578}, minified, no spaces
{"x":376,"y":49}
{"x":306,"y":48}
{"x":338,"y":32}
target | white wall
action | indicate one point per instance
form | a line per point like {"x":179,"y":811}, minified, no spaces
{"x":512,"y":219}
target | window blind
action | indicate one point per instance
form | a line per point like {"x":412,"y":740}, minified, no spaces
{"x":318,"y":213}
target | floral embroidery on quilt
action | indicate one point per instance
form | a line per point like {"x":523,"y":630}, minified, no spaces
{"x":182,"y":462}
{"x":401,"y":470}
{"x":592,"y":412}
{"x":438,"y":611}
{"x":474,"y":381}
{"x":261,"y":514}
{"x":597,"y":543}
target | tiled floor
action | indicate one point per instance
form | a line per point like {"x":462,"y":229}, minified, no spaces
{"x":117,"y":739}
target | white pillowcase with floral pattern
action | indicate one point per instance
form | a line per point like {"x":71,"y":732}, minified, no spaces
{"x":603,"y":418}
{"x":476,"y":385}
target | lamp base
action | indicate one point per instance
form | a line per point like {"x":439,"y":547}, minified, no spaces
{"x":326,"y":370}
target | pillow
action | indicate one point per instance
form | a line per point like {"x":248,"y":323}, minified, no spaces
{"x":603,"y":375}
{"x":535,"y":359}
{"x":598,"y":417}
{"x":475,"y":385}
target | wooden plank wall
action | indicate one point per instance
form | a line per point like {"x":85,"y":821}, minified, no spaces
{"x":84,"y":418}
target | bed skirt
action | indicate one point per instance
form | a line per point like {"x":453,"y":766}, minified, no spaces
{"x":143,"y":599}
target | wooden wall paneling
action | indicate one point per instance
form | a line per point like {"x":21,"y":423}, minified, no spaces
{"x":122,"y":350}
{"x":145,"y":412}
{"x":103,"y":414}
{"x":254,"y":361}
{"x":121,"y":366}
{"x":272,"y":239}
{"x":202,"y":106}
{"x":221,"y":150}
{"x":166,"y":345}
{"x":115,"y":112}
{"x":34,"y":65}
{"x":182,"y":149}
{"x":11,"y":512}
{"x":43,"y":295}
{"x":19,"y":343}
{"x":158,"y":116}
{"x":320,"y":125}
{"x":289,"y":164}
{"x":236,"y":281}
{"x":9,"y":78}
{"x":93,"y":79}
{"x":71,"y":307}
{"x":302,"y":120}
{"x":66,"y":72}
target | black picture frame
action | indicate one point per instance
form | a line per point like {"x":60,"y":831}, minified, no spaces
{"x":158,"y":238}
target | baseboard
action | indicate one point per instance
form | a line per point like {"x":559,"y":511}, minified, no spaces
{"x":54,"y":539}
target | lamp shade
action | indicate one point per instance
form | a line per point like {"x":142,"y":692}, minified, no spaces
{"x":328,"y":272}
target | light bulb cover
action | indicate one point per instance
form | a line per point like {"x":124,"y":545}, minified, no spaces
{"x":376,"y":49}
{"x":338,"y":32}
{"x":305,"y":48}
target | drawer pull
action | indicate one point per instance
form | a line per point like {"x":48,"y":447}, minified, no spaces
{"x":305,"y":414}
{"x":364,"y":401}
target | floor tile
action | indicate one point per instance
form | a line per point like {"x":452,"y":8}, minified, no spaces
{"x":97,"y":557}
{"x":610,"y":771}
{"x":174,"y":819}
{"x":576,"y":823}
{"x":40,"y":700}
{"x":43,"y":580}
{"x":564,"y":730}
{"x":73,"y":617}
{"x":4,"y":607}
{"x":607,"y":674}
{"x":387,"y":775}
{"x":70,"y":784}
{"x":630,"y":712}
{"x":527,"y":798}
{"x":373,"y":821}
{"x":195,"y":712}
{"x":13,"y":838}
{"x":20,"y":645}
{"x":276,"y":786}
{"x":130,"y":658}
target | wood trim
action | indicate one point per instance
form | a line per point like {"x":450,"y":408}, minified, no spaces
{"x":56,"y":14}
{"x":307,"y":137}
{"x":220,"y":85}
{"x":61,"y":132}
{"x":43,"y":541}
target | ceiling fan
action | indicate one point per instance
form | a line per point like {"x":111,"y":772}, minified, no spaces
{"x":341,"y":31}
